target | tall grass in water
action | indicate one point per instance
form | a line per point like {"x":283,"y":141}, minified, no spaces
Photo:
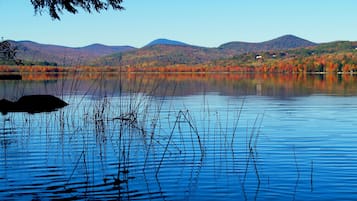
{"x":113,"y":136}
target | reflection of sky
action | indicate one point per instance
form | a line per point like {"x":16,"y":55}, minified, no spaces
{"x":303,"y":147}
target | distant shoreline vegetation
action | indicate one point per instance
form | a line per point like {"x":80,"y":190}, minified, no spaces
{"x":334,"y":57}
{"x":344,"y":62}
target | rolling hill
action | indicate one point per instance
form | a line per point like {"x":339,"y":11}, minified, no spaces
{"x":159,"y":52}
{"x":36,"y":52}
{"x":340,"y":52}
{"x":167,"y":52}
{"x":161,"y":55}
{"x":281,"y":43}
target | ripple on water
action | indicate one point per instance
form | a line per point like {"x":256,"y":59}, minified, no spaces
{"x":300,"y":149}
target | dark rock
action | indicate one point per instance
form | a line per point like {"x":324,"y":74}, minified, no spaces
{"x":32,"y":104}
{"x":10,"y":77}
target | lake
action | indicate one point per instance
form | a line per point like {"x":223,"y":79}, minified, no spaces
{"x":182,"y":137}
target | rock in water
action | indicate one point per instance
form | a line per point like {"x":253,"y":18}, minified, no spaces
{"x":32,"y":104}
{"x":10,"y":77}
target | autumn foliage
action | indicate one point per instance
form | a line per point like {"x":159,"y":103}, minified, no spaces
{"x":343,"y":62}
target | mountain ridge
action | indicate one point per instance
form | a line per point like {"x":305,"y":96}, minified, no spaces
{"x":166,"y":54}
{"x":62,"y":55}
{"x":283,"y":42}
{"x":157,"y":52}
{"x":164,"y":41}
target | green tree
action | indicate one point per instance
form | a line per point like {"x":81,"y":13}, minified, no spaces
{"x":55,"y":7}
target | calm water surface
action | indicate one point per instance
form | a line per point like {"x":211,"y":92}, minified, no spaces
{"x":183,"y":138}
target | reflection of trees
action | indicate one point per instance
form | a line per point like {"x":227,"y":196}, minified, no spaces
{"x":273,"y":85}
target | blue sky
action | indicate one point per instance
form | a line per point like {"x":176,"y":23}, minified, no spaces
{"x":207,"y":23}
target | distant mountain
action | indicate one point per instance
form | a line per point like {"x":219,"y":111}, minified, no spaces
{"x":338,"y":56}
{"x":101,"y":50}
{"x":163,"y":52}
{"x":281,"y":43}
{"x":159,"y":52}
{"x":162,"y":55}
{"x":288,"y":42}
{"x":61,"y":55}
{"x":163,"y":41}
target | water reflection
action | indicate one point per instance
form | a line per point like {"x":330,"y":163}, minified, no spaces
{"x":111,"y":84}
{"x":187,"y":137}
{"x":88,"y":151}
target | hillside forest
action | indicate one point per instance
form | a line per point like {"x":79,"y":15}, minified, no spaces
{"x":287,"y":54}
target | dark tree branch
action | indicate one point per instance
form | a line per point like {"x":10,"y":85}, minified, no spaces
{"x":8,"y":52}
{"x":56,"y":7}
